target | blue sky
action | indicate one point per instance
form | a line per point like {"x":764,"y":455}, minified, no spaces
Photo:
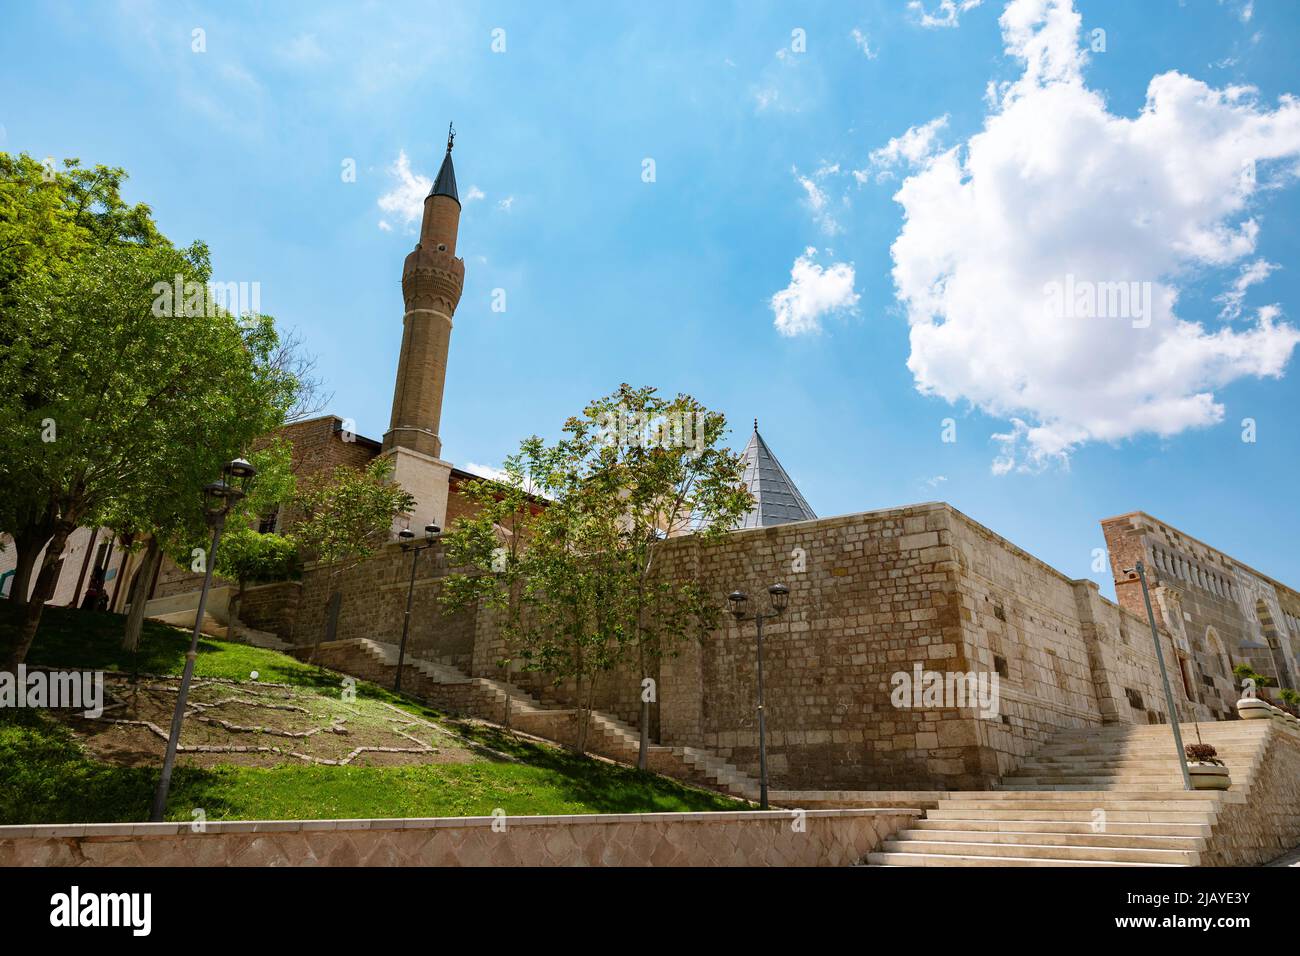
{"x":943,"y":161}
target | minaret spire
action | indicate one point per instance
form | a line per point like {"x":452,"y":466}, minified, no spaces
{"x":432,"y":280}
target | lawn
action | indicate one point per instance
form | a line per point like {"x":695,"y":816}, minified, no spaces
{"x":47,"y":774}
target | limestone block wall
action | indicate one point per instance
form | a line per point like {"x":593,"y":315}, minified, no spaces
{"x":1066,"y":657}
{"x":1211,"y":602}
{"x":1267,"y":824}
{"x":870,"y":594}
{"x":773,"y":838}
{"x":374,"y":603}
{"x":271,"y":607}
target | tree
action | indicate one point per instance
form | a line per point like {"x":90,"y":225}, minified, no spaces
{"x":346,"y":515}
{"x":115,"y":390}
{"x":48,"y":220}
{"x":581,"y":590}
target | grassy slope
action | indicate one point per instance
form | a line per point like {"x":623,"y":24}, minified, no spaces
{"x":45,"y":777}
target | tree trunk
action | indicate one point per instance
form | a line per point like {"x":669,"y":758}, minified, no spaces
{"x":27,"y":549}
{"x":232,"y":611}
{"x":31,"y":618}
{"x":584,"y":713}
{"x":138,"y":595}
{"x":643,"y":755}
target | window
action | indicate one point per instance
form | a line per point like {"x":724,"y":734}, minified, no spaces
{"x":269,"y":523}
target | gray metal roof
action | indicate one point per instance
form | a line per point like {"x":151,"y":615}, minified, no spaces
{"x":445,"y":184}
{"x":776,"y":499}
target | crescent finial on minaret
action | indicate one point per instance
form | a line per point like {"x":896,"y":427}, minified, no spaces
{"x":451,"y":135}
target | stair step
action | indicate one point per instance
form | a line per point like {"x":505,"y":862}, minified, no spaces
{"x":1035,"y":837}
{"x":1043,"y":851}
{"x":944,"y":859}
{"x":1066,"y":827}
{"x":1113,"y":816}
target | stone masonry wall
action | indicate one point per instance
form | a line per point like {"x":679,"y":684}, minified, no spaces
{"x":1066,"y":657}
{"x":1211,"y":603}
{"x":872,"y":596}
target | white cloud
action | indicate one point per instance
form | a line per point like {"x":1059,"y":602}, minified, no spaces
{"x":500,"y":475}
{"x":1057,"y":187}
{"x":946,"y":14}
{"x":863,"y":43}
{"x":474,"y":194}
{"x":384,"y":225}
{"x":405,"y":201}
{"x":303,"y":50}
{"x":913,"y":148}
{"x":814,"y":292}
{"x":506,"y":204}
{"x":815,"y":198}
{"x":1251,"y":273}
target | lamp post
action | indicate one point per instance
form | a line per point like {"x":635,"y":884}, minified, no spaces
{"x":780,"y":596}
{"x":218,"y":498}
{"x":1140,"y":570}
{"x":407,"y":537}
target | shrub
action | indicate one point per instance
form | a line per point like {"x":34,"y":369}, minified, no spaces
{"x":1203,"y":753}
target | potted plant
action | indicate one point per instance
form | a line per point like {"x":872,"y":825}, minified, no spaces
{"x":1206,"y":769}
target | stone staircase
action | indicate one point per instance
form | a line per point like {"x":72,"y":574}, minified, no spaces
{"x":1106,"y":796}
{"x":450,"y":689}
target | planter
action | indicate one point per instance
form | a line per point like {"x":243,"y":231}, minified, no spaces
{"x":1209,"y":776}
{"x":1252,"y":708}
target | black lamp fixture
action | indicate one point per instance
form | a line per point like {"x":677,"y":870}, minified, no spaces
{"x":779,"y":595}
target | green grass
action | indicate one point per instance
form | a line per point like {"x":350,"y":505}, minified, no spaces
{"x":47,"y":777}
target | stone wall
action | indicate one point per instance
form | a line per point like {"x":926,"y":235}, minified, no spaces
{"x":271,"y":607}
{"x":1267,"y":824}
{"x":873,"y":595}
{"x":1212,"y":604}
{"x":773,"y":838}
{"x":1066,"y":656}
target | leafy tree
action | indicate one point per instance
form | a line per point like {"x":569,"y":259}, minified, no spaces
{"x":50,"y":218}
{"x":115,"y":392}
{"x":580,"y":588}
{"x":345,"y":516}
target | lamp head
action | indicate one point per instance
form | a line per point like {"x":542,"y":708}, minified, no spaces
{"x":240,"y":468}
{"x":780,"y":595}
{"x":739,"y":600}
{"x":431,"y":531}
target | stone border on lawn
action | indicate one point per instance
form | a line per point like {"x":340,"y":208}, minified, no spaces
{"x":731,"y":838}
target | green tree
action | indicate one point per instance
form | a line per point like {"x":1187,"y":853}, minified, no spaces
{"x":50,"y":218}
{"x":345,"y":516}
{"x":115,"y":390}
{"x":577,"y":584}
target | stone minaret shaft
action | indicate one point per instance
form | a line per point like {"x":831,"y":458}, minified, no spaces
{"x":432,"y":279}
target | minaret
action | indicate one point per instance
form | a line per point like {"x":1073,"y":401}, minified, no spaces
{"x":432,"y":279}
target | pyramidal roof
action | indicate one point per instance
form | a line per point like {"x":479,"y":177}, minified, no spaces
{"x":445,"y":184}
{"x":776,"y":499}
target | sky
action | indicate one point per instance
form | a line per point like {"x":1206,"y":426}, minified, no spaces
{"x":1037,"y":259}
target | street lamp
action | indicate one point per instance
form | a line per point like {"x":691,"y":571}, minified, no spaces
{"x":218,"y":498}
{"x":1140,"y":570}
{"x":780,"y":598}
{"x":407,"y":538}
